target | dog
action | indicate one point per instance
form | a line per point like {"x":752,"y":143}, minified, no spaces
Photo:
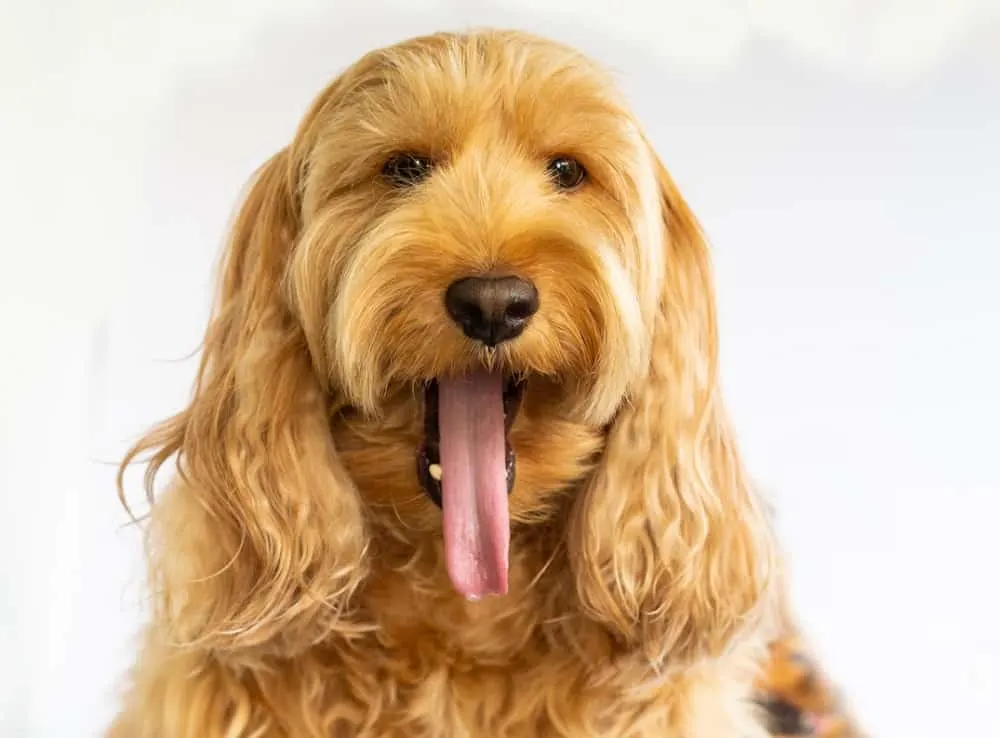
{"x":456,"y":461}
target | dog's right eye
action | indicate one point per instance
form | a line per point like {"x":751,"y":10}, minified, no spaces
{"x":403,"y":170}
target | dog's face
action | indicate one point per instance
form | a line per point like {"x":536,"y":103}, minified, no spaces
{"x":483,"y":207}
{"x":485,"y":157}
{"x":466,"y":296}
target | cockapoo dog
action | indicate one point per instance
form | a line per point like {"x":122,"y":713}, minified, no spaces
{"x":456,"y":463}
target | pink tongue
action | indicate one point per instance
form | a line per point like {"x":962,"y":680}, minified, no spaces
{"x":474,"y":483}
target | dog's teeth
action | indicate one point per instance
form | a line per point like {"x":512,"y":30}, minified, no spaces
{"x":435,"y":472}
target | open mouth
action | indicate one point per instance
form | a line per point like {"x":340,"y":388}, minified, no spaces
{"x":429,"y":467}
{"x":466,"y":464}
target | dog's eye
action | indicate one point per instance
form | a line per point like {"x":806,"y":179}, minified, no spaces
{"x":567,"y":173}
{"x":403,"y":170}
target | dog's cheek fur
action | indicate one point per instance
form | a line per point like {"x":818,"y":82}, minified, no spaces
{"x":669,"y":544}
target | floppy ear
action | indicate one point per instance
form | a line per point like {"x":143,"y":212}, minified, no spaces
{"x":670,"y":547}
{"x":260,"y":541}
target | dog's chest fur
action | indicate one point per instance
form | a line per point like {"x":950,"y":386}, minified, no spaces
{"x":523,"y":665}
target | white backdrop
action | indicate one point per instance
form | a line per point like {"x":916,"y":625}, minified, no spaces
{"x":844,"y":156}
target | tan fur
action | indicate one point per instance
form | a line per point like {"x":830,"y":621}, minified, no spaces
{"x":296,"y":564}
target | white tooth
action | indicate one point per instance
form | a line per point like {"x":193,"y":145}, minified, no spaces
{"x":435,"y":471}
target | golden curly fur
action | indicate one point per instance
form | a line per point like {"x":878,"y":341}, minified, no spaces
{"x":296,"y":564}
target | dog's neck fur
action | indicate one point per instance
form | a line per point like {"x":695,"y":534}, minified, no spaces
{"x":413,"y":607}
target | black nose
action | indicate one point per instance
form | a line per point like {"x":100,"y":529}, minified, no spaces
{"x":491,"y":310}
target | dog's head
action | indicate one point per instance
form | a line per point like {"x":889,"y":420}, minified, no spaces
{"x":467,"y":277}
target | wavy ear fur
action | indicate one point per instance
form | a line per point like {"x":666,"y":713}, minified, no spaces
{"x":670,"y":547}
{"x":259,"y":542}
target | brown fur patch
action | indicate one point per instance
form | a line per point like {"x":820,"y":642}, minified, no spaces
{"x":798,"y":699}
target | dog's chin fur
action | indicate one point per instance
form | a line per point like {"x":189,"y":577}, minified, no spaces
{"x":296,"y":561}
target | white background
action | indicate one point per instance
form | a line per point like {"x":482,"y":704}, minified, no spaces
{"x":844,"y":156}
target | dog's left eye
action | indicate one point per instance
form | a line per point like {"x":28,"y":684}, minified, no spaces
{"x":403,"y":170}
{"x":567,"y":173}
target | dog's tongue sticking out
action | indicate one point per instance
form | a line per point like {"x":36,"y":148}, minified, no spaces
{"x":474,"y":483}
